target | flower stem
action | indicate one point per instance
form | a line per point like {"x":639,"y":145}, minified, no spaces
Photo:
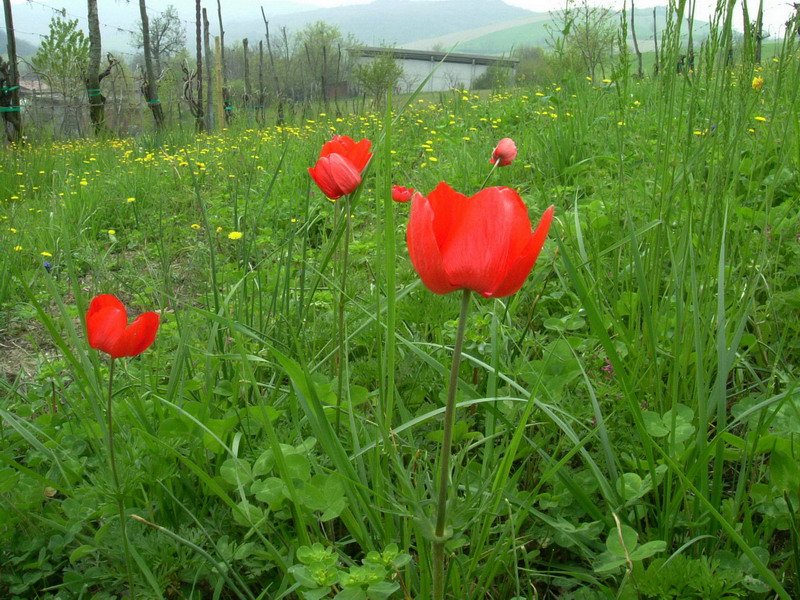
{"x":444,"y":459}
{"x":494,"y":168}
{"x":117,"y":487}
{"x":341,"y":355}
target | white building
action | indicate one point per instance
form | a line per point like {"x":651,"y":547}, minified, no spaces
{"x":449,"y":70}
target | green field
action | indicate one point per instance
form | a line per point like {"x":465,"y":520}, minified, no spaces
{"x":627,"y":424}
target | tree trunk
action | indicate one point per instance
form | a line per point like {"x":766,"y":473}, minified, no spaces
{"x":150,"y":88}
{"x":655,"y":42}
{"x":276,"y":81}
{"x":9,"y":82}
{"x":639,"y":72}
{"x":209,"y":74}
{"x":198,"y":119}
{"x":219,"y":116}
{"x":226,"y":101}
{"x":759,"y":28}
{"x":260,"y":101}
{"x":97,"y":101}
{"x":247,"y":89}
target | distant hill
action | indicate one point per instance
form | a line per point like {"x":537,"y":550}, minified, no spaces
{"x":536,"y":31}
{"x":398,"y":22}
{"x":24,"y":49}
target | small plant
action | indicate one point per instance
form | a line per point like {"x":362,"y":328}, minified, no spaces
{"x":321,"y":574}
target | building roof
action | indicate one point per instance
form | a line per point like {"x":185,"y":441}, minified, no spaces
{"x":433,"y":56}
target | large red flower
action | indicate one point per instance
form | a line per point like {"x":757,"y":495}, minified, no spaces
{"x":108,"y":330}
{"x":483,"y":243}
{"x":341,"y":161}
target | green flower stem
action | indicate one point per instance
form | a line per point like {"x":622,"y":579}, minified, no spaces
{"x":341,"y":356}
{"x":117,"y":487}
{"x":444,"y":459}
{"x":494,"y":168}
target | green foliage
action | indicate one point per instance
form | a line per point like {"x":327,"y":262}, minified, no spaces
{"x":322,"y":573}
{"x":376,"y":77}
{"x":63,"y":56}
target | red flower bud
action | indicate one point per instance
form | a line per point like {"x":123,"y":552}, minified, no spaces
{"x":341,"y":161}
{"x":505,"y":152}
{"x":401,"y":194}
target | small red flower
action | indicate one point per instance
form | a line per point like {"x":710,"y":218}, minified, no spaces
{"x":402,"y":194}
{"x":341,"y":161}
{"x":505,"y":152}
{"x":108,"y":330}
{"x":483,"y":243}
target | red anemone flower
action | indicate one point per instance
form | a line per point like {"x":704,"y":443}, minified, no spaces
{"x":483,"y":243}
{"x":341,"y":161}
{"x":108,"y":330}
{"x":401,"y":194}
{"x":505,"y":152}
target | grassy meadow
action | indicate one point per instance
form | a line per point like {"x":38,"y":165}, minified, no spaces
{"x":628,"y":423}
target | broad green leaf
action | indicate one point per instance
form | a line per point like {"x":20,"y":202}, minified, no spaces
{"x":616,"y":546}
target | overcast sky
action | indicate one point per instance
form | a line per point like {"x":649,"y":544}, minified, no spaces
{"x":776,"y":12}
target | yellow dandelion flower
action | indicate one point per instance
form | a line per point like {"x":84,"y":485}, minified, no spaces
{"x":219,"y":229}
{"x":131,"y":200}
{"x":195,"y":226}
{"x":45,"y":254}
{"x":758,"y":83}
{"x":761,"y":119}
{"x":112,"y":231}
{"x":17,"y":248}
{"x":235,"y":235}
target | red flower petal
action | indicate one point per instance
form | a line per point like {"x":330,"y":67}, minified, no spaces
{"x":487,"y":240}
{"x":137,"y":337}
{"x":359,"y":154}
{"x":518,"y":272}
{"x":105,"y":321}
{"x":345,"y":176}
{"x":423,"y":248}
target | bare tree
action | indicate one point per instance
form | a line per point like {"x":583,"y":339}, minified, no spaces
{"x":149,"y":84}
{"x":167,"y":36}
{"x":276,"y":81}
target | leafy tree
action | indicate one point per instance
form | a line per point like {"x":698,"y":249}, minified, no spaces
{"x":378,"y":75}
{"x":63,"y":57}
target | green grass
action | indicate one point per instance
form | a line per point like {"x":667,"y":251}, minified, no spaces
{"x":627,"y":423}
